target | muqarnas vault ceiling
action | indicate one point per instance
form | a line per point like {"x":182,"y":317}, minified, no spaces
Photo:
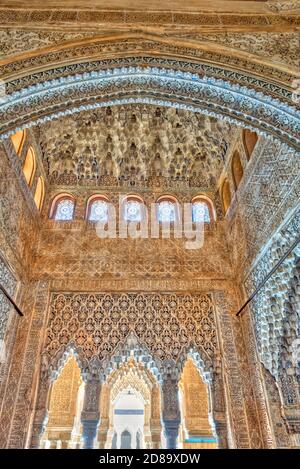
{"x":135,"y":141}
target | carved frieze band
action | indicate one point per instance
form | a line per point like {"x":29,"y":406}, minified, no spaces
{"x":212,"y":97}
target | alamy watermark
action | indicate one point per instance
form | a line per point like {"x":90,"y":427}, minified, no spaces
{"x":176,"y":221}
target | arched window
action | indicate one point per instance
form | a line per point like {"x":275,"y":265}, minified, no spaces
{"x":226,"y":195}
{"x":63,"y":208}
{"x":202,"y":210}
{"x":29,"y":166}
{"x":133,"y":209}
{"x":249,"y":139}
{"x":18,"y":140}
{"x":97,"y":209}
{"x":237,"y":169}
{"x":39,"y":193}
{"x":167,"y":209}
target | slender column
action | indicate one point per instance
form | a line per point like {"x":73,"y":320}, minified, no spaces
{"x":90,"y":415}
{"x":118,"y":440}
{"x":155,"y":421}
{"x":103,"y":430}
{"x":171,"y":411}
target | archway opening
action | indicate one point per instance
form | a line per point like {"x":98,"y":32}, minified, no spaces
{"x":196,"y":430}
{"x":130,"y":405}
{"x":128,"y":418}
{"x":63,"y":429}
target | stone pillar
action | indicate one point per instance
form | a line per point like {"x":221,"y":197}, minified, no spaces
{"x":155,"y":420}
{"x":171,"y":411}
{"x":218,"y":410}
{"x":104,"y":410}
{"x":109,"y":439}
{"x":90,"y":415}
{"x":103,"y":432}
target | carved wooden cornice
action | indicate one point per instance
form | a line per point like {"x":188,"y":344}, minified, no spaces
{"x":216,"y":15}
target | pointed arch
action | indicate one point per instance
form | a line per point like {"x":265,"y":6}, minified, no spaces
{"x":257,"y":111}
{"x":126,"y":439}
{"x":128,"y":348}
{"x":197,"y":424}
{"x":63,"y":404}
{"x":58,"y":361}
{"x":29,"y":166}
{"x":39,"y":193}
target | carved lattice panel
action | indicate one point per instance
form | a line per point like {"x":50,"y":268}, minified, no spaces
{"x":166,"y":324}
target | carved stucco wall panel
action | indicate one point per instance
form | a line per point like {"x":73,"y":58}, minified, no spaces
{"x":18,"y":216}
{"x":126,"y":258}
{"x":231,"y":365}
{"x":18,"y":238}
{"x":72,"y":260}
{"x":259,"y":398}
{"x":20,"y":391}
{"x":268,"y":306}
{"x":270,"y":185}
{"x":234,"y":389}
{"x":96,"y":323}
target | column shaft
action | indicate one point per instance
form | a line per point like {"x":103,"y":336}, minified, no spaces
{"x":90,"y":416}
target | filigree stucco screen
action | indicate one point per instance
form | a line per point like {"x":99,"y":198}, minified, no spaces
{"x":168,"y":325}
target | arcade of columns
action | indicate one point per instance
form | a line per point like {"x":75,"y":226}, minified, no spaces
{"x":109,"y":105}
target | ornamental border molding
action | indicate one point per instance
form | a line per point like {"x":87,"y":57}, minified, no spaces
{"x":158,"y":86}
{"x":88,"y":19}
{"x":274,"y":88}
{"x":118,"y":50}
